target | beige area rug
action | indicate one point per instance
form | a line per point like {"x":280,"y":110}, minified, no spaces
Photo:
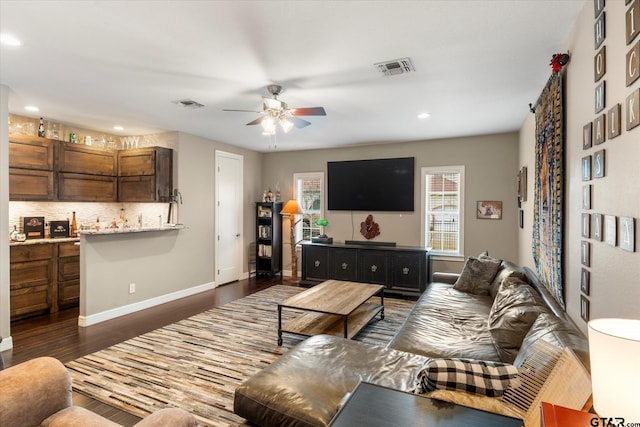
{"x":197,"y":363}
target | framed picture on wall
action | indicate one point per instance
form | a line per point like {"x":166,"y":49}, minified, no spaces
{"x":521,"y":183}
{"x":489,"y":209}
{"x":585,"y":253}
{"x":610,"y":231}
{"x":587,"y":135}
{"x":584,"y":308}
{"x":586,"y":225}
{"x":586,"y":196}
{"x":586,"y":168}
{"x":596,"y":227}
{"x":627,"y":233}
{"x":598,"y":164}
{"x":584,"y":281}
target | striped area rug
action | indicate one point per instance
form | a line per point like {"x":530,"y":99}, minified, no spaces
{"x":197,"y":363}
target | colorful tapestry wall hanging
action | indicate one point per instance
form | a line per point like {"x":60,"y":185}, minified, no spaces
{"x":549,"y":193}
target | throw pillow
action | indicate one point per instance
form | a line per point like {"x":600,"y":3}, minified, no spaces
{"x":477,"y":275}
{"x":481,"y":377}
{"x":515,"y":308}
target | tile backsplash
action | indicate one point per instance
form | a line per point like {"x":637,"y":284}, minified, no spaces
{"x":87,"y":214}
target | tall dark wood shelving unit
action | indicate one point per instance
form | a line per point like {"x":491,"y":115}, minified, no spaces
{"x":268,"y":238}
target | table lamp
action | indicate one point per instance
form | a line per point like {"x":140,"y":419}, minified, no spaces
{"x":322,"y":238}
{"x":291,"y":209}
{"x":614,"y":351}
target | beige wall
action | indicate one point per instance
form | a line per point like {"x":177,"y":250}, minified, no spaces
{"x":615,"y":283}
{"x":491,"y":166}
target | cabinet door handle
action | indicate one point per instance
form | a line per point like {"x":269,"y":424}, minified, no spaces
{"x":345,"y":265}
{"x":405,"y":270}
{"x":374,"y":268}
{"x":317,"y":263}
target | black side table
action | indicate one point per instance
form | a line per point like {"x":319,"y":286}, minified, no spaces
{"x":373,"y":405}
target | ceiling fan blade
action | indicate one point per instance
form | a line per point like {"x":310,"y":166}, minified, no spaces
{"x":257,"y":121}
{"x":309,"y":111}
{"x":242,"y":111}
{"x":298,"y":122}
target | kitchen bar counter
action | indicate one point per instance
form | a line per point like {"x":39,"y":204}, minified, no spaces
{"x":165,"y":227}
{"x":45,"y":241}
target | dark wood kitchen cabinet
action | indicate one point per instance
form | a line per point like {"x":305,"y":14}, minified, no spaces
{"x":86,"y":174}
{"x":77,"y":187}
{"x":77,"y":158}
{"x":401,"y":269}
{"x":68,"y":282}
{"x":30,"y":277}
{"x":31,"y":168}
{"x":43,"y":278}
{"x":145,"y":174}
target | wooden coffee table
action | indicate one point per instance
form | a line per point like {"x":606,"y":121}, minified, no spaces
{"x":334,"y":307}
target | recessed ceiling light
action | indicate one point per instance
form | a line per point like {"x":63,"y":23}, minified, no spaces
{"x":118,"y":127}
{"x":423,"y":116}
{"x":9,"y":40}
{"x":31,"y":108}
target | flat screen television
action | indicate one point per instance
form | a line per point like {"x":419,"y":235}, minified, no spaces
{"x":384,"y":185}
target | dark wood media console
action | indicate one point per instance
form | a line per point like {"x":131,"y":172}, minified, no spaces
{"x":401,"y":269}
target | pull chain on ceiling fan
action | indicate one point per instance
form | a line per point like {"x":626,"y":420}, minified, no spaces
{"x":276,"y":112}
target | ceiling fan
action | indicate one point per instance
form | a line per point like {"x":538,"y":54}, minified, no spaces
{"x":276,"y":112}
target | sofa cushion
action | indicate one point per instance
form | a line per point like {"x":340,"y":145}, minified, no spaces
{"x":477,"y":275}
{"x":559,"y":332}
{"x":448,"y":323}
{"x":515,"y":308}
{"x":471,"y":376}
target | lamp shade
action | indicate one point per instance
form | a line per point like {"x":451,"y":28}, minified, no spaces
{"x":614,"y":351}
{"x":291,"y":208}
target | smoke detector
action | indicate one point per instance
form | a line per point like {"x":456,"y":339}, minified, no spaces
{"x":396,"y":66}
{"x":189,"y":103}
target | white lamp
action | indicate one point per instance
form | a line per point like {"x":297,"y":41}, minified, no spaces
{"x":614,"y":350}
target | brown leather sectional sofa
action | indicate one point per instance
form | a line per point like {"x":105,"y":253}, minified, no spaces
{"x":307,"y":385}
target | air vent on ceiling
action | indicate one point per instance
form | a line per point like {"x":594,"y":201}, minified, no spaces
{"x":190,"y":103}
{"x":397,"y":66}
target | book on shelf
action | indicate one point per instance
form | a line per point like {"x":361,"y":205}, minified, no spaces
{"x":264,"y":250}
{"x":264,"y":231}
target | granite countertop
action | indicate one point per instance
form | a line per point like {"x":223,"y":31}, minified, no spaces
{"x":164,"y":227}
{"x":45,"y":241}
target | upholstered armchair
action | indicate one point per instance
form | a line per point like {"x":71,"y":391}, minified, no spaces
{"x":38,"y":393}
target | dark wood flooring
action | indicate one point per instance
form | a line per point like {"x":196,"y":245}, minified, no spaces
{"x":58,"y":335}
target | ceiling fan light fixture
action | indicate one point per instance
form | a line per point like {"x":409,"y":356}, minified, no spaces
{"x":286,"y":124}
{"x":268,"y":126}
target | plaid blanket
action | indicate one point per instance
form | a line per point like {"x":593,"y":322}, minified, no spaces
{"x":473,"y":376}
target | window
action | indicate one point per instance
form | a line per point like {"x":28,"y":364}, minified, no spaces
{"x":309,"y":192}
{"x":443,"y":190}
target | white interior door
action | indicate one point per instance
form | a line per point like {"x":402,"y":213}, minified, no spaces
{"x":228,"y":212}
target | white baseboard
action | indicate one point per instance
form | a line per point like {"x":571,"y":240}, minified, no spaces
{"x":84,"y":321}
{"x":6,"y":344}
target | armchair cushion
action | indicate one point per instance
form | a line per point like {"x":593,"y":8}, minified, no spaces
{"x":32,"y":391}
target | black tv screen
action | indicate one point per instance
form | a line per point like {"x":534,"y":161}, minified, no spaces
{"x":371,"y":185}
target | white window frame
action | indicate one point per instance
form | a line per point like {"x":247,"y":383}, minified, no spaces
{"x":430,"y":170}
{"x":297,"y":180}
